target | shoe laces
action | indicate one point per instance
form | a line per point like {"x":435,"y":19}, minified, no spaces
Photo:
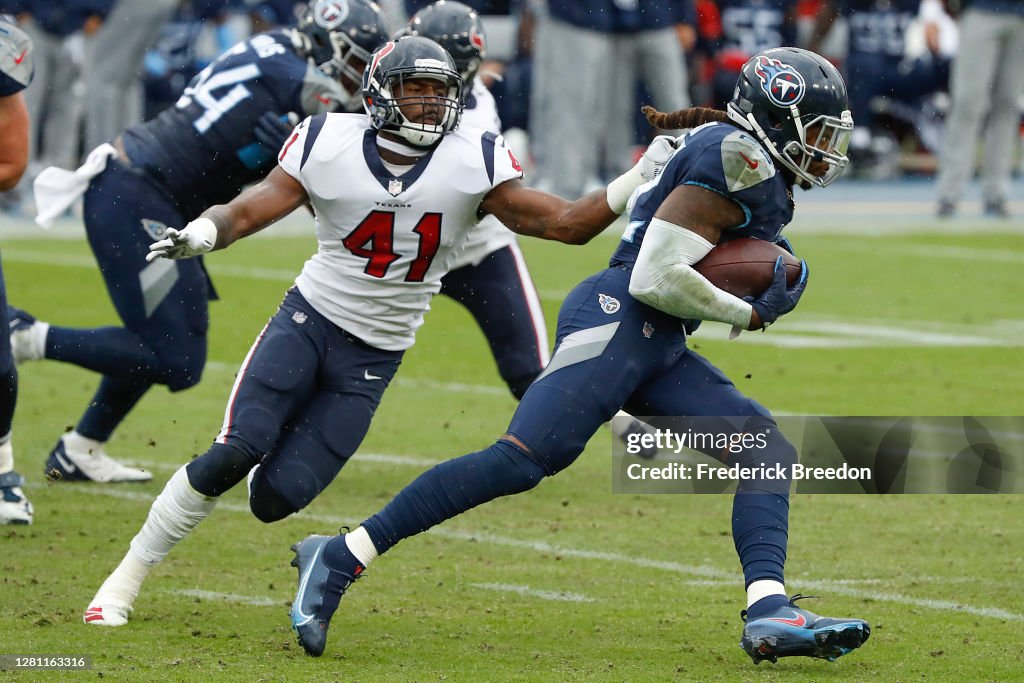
{"x":792,"y":603}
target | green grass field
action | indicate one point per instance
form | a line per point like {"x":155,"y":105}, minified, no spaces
{"x":567,"y":582}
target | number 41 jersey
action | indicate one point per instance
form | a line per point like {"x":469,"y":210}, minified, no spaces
{"x":385,"y":241}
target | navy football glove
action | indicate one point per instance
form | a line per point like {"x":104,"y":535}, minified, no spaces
{"x":777,"y":300}
{"x":272,"y":130}
{"x":784,"y":243}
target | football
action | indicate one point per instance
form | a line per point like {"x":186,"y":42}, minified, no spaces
{"x":743,"y":267}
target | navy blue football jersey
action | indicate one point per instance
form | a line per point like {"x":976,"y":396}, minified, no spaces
{"x":879,"y":26}
{"x":724,"y":159}
{"x":203,"y":150}
{"x":750,"y":26}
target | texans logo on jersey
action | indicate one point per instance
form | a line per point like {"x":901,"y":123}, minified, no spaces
{"x":782,"y":83}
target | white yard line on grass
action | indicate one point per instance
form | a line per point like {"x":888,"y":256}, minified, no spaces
{"x":628,"y":561}
{"x":560,"y":596}
{"x":254,"y":600}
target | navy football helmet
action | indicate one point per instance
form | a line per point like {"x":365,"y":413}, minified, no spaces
{"x":405,"y":59}
{"x":784,"y":93}
{"x":338,"y":37}
{"x":456,"y":28}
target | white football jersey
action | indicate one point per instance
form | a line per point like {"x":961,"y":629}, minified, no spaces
{"x":489,"y":235}
{"x":385,"y":242}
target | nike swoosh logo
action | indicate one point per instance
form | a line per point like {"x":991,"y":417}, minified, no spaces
{"x":797,"y":621}
{"x":368,"y":376}
{"x":306,"y":618}
{"x":751,"y":164}
{"x":65,"y":463}
{"x":21,"y":57}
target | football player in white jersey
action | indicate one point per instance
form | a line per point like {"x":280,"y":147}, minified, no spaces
{"x":395,"y":194}
{"x":15,"y":74}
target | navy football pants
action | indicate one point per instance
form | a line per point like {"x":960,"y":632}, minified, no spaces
{"x":300,"y":407}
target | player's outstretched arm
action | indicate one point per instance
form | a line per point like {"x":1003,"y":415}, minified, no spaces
{"x":539,"y":214}
{"x":271,"y":199}
{"x":14,"y":140}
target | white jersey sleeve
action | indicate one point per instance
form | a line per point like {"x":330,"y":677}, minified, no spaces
{"x":16,"y":65}
{"x":489,"y":235}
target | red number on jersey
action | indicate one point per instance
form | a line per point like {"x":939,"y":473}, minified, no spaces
{"x":373,"y":239}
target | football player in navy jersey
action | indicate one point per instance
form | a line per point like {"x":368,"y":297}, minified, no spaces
{"x":395,"y":193}
{"x":876,"y":55}
{"x":16,"y":68}
{"x":223,"y":134}
{"x":621,"y":343}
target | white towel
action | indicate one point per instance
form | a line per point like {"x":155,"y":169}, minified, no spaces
{"x":56,"y":189}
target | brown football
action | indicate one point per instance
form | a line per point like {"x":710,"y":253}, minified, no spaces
{"x":743,"y":267}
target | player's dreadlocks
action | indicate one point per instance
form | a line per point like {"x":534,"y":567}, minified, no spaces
{"x":684,"y":118}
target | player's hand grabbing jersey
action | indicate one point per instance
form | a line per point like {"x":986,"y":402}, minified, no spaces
{"x":385,"y":242}
{"x":724,"y":159}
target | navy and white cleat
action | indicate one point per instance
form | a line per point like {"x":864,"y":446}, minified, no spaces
{"x":66,"y":464}
{"x":793,"y":632}
{"x":320,"y":590}
{"x":14,"y":506}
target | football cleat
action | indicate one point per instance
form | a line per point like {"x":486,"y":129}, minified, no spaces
{"x":320,"y":590}
{"x":14,"y":506}
{"x":66,"y":464}
{"x":793,"y":632}
{"x":28,"y":335}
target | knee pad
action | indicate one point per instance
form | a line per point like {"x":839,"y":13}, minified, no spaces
{"x":219,"y":469}
{"x":183,"y":372}
{"x":266,"y":504}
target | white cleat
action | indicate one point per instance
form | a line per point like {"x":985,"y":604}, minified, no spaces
{"x":66,"y":463}
{"x":14,"y":506}
{"x":106,"y":613}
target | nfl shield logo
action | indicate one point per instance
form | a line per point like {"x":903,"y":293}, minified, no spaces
{"x":155,"y":229}
{"x":648,"y":330}
{"x":395,"y":188}
{"x":299,"y":317}
{"x":608,"y":304}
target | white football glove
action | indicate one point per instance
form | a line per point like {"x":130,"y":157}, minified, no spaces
{"x":658,"y":154}
{"x":198,"y":237}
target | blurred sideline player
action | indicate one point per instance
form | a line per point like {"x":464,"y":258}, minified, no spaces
{"x":222,"y":134}
{"x":490,"y":277}
{"x":415,"y":184}
{"x":15,"y":74}
{"x":622,"y":343}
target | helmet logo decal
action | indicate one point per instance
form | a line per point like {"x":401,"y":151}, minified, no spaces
{"x":476,"y":39}
{"x":782,"y":83}
{"x":380,"y":54}
{"x":330,"y":13}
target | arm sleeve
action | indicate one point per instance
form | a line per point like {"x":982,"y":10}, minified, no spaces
{"x":663,"y":277}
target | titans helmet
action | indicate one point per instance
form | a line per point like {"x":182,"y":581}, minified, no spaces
{"x":338,"y":37}
{"x":795,"y":102}
{"x":402,"y":60}
{"x":456,"y":28}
